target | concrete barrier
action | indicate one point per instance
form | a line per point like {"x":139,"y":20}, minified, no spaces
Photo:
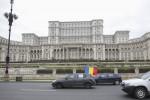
{"x":31,"y":73}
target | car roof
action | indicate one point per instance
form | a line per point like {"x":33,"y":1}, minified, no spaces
{"x":109,"y":73}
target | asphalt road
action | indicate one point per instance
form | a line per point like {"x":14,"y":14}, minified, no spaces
{"x":44,"y":91}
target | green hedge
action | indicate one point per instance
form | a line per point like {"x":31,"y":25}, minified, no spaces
{"x":66,"y":71}
{"x":44,"y":71}
{"x":144,"y":70}
{"x":79,"y":71}
{"x":105,"y":71}
{"x":126,"y":70}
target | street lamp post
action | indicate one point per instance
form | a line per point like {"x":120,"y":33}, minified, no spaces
{"x":10,"y":18}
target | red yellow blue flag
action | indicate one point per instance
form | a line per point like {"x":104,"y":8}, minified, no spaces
{"x":91,"y":70}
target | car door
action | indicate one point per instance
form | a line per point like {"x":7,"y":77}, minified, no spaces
{"x":102,"y":78}
{"x":79,"y":80}
{"x":149,"y":84}
{"x":69,"y":81}
{"x":110,"y":78}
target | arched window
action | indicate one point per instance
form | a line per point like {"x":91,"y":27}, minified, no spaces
{"x":142,"y":52}
{"x":138,"y":55}
{"x":134,"y":53}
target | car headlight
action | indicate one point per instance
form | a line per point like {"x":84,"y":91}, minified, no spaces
{"x":127,"y":84}
{"x":54,"y":81}
{"x":122,"y":84}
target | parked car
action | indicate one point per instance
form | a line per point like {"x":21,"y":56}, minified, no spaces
{"x":139,"y":87}
{"x":75,"y":80}
{"x":110,"y":78}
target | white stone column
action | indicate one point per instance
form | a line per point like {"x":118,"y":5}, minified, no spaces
{"x":94,"y":49}
{"x":136,"y":53}
{"x":115,"y":54}
{"x":74,"y":71}
{"x":81,"y":52}
{"x":148,"y":53}
{"x":49,"y":54}
{"x":131,"y":54}
{"x":28,"y":56}
{"x":85,"y":53}
{"x":104,"y":56}
{"x":52,"y":53}
{"x":68,"y":53}
{"x":43,"y":52}
{"x":36,"y":56}
{"x":78,"y":53}
{"x":89,"y":53}
{"x":56,"y":54}
{"x":136,"y":71}
{"x":63,"y":53}
{"x":116,"y":70}
{"x":119,"y":51}
{"x":108,"y":54}
{"x":17,"y":55}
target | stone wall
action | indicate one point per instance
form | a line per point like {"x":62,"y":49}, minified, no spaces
{"x":31,"y":73}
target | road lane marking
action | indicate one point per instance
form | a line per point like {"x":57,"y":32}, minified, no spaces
{"x":36,"y":90}
{"x":43,"y":85}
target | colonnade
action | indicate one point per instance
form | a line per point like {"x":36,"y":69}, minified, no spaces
{"x":76,"y":52}
{"x":73,"y":53}
{"x":111,"y":54}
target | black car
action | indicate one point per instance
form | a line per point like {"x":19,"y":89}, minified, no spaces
{"x":75,"y":80}
{"x":110,"y":78}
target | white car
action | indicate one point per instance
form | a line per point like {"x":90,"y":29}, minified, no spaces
{"x":139,"y":87}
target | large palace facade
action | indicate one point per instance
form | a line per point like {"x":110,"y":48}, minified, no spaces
{"x":77,"y":40}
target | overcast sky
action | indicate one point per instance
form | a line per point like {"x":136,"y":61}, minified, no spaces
{"x":132,"y":15}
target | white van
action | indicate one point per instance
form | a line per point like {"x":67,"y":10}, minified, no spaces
{"x":139,"y":87}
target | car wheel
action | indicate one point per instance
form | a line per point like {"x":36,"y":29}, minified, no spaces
{"x":140,"y":93}
{"x":87,"y":85}
{"x":59,"y":85}
{"x":96,"y":82}
{"x":117,"y":82}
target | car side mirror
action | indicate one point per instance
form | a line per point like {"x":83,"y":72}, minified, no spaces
{"x":66,"y":78}
{"x":100,"y":77}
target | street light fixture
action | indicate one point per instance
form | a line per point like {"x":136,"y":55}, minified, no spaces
{"x":10,"y":18}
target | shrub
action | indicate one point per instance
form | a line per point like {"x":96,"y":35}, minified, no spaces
{"x":79,"y":71}
{"x":105,"y":71}
{"x":144,"y":70}
{"x":65,"y":71}
{"x":126,"y":70}
{"x":44,"y":71}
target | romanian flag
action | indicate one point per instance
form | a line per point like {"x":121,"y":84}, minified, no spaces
{"x":91,"y":70}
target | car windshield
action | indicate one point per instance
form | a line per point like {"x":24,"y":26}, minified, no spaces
{"x":145,"y":76}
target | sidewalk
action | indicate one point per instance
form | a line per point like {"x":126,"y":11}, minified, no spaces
{"x":44,"y":81}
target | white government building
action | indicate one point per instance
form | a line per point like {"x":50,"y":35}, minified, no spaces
{"x":77,"y":40}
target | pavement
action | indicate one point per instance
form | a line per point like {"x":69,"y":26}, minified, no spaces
{"x":44,"y":91}
{"x":49,"y":81}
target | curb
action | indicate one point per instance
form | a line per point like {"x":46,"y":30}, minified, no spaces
{"x":33,"y":81}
